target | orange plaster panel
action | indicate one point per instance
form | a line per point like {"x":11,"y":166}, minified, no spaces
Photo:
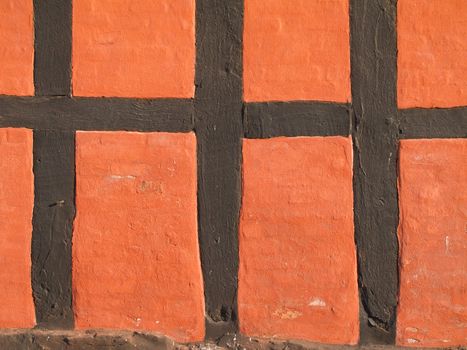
{"x":16,"y":47}
{"x":296,"y":50}
{"x":432,"y":309}
{"x":432,"y":55}
{"x":16,"y":206}
{"x":298,"y":273}
{"x":136,"y":262}
{"x":130,"y":48}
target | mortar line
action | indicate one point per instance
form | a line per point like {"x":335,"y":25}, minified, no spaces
{"x":297,"y":118}
{"x":261,"y":120}
{"x":65,"y":113}
{"x":419,"y":123}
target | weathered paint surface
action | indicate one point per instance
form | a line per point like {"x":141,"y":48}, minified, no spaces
{"x":432,"y":46}
{"x":128,"y":48}
{"x":16,"y":47}
{"x":216,"y":115}
{"x":16,"y":203}
{"x":136,"y":261}
{"x":296,"y":50}
{"x":432,"y":309}
{"x":298,"y":274}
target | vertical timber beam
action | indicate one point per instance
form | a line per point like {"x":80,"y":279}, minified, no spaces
{"x":54,"y":211}
{"x":375,"y":137}
{"x":218,"y":125}
{"x":52,"y":47}
{"x":54,"y":171}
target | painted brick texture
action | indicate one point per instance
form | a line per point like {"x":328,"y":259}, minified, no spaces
{"x":432,"y":308}
{"x":432,"y":42}
{"x":281,"y":265}
{"x":296,"y":50}
{"x":16,"y":205}
{"x":16,"y":47}
{"x":136,"y":261}
{"x":128,"y":48}
{"x":298,"y":275}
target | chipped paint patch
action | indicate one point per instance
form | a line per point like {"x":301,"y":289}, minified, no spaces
{"x":287,"y":314}
{"x":317,"y":302}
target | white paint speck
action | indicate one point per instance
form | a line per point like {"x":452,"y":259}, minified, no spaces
{"x":411,"y":329}
{"x":446,"y":244}
{"x":413,"y":341}
{"x":122,"y":177}
{"x":138,"y":321}
{"x":317,"y":302}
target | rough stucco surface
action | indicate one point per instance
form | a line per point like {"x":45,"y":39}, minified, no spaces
{"x":298,"y":274}
{"x":128,"y":48}
{"x":136,"y":261}
{"x":296,"y":50}
{"x":432,"y":46}
{"x":16,"y":47}
{"x":16,"y":203}
{"x":432,"y":308}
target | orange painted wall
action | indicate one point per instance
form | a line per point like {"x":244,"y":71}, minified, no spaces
{"x":136,"y":262}
{"x":432,"y":308}
{"x":128,"y":48}
{"x":16,"y":205}
{"x":298,"y":273}
{"x":16,"y":47}
{"x":296,"y":50}
{"x":432,"y":46}
{"x":136,"y":257}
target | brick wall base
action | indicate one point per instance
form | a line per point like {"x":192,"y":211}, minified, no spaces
{"x":87,"y":340}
